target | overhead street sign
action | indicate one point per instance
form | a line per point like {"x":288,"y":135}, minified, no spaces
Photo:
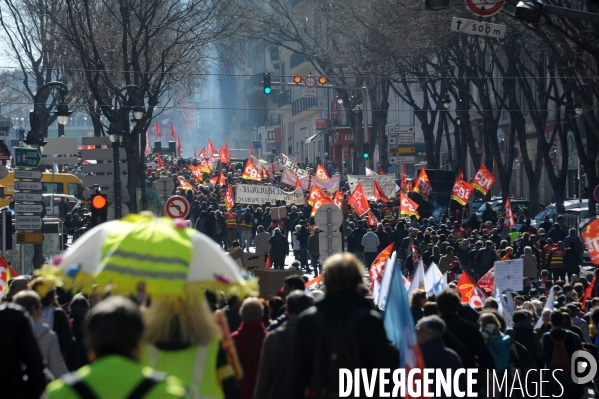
{"x":402,"y":150}
{"x":28,"y":174}
{"x":484,"y":8}
{"x":405,"y":138}
{"x":28,"y":197}
{"x":28,"y":185}
{"x":469,"y":26}
{"x":27,"y":157}
{"x":28,"y":222}
{"x":400,"y":129}
{"x":26,"y":208}
{"x":30,"y":238}
{"x":402,"y":160}
{"x":310,"y":82}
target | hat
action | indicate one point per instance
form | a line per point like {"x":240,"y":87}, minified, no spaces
{"x":454,"y":263}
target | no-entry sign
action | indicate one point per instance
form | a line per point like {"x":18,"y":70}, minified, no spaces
{"x":177,"y":207}
{"x":485,"y":8}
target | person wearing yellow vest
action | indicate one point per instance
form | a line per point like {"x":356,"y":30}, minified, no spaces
{"x":184,"y":340}
{"x":231,"y":222}
{"x":245,"y":222}
{"x":114,"y":331}
{"x":555,"y":262}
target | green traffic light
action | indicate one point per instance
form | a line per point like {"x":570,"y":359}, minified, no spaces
{"x":365,"y":155}
{"x":267,"y":90}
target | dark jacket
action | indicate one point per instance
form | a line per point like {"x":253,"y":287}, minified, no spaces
{"x":357,"y":236}
{"x":437,"y":356}
{"x":279,"y":245}
{"x":464,"y":338}
{"x":383,"y":239}
{"x":375,"y":349}
{"x":572,"y":261}
{"x":291,"y":218}
{"x":303,"y":236}
{"x":400,"y":234}
{"x":557,"y":234}
{"x":19,"y":347}
{"x":209,"y":225}
{"x":523,"y":333}
{"x":77,"y":327}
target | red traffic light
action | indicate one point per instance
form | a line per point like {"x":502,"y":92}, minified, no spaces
{"x":322,"y":80}
{"x":99,"y":202}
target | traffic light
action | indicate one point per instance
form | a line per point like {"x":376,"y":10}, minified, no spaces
{"x":99,"y":209}
{"x":366,"y":154}
{"x":297,"y":79}
{"x":267,"y":88}
{"x":322,"y":80}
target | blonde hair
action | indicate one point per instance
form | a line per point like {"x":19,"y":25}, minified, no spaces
{"x":185,"y":320}
{"x":416,"y":297}
{"x":343,"y":272}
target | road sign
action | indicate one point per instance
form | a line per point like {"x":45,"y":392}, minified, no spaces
{"x":177,"y":207}
{"x":30,"y":238}
{"x":477,"y":28}
{"x":392,"y":140}
{"x":28,"y":185}
{"x":400,"y":129}
{"x":309,"y":93}
{"x":402,"y":150}
{"x":165,"y":187}
{"x":310,"y":82}
{"x":402,"y":160}
{"x":405,"y":138}
{"x":28,"y":222}
{"x":484,"y":8}
{"x":28,"y":197}
{"x":29,"y":208}
{"x":27,"y":157}
{"x":28,"y":174}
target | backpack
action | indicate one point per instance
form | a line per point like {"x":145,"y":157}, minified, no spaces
{"x":336,"y":347}
{"x":560,"y":360}
{"x":500,"y":347}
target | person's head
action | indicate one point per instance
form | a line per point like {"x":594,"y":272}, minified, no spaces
{"x":595,"y":316}
{"x":518,"y":300}
{"x":430,"y":328}
{"x":277,"y":231}
{"x":292,"y":283}
{"x":251,"y":309}
{"x":418,"y":299}
{"x":560,"y":244}
{"x":522,"y":315}
{"x":17,"y":285}
{"x":527,"y":250}
{"x":114,"y":327}
{"x":45,"y":290}
{"x":260,"y":229}
{"x":491,"y":303}
{"x":449,"y":250}
{"x":297,"y":302}
{"x":79,"y":306}
{"x":448,"y":302}
{"x":343,"y":273}
{"x":546,"y":315}
{"x":568,"y":291}
{"x":430,"y":308}
{"x":489,"y":322}
{"x":32,"y":303}
{"x":556,"y":318}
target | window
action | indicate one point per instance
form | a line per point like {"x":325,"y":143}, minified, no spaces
{"x":76,"y":190}
{"x":271,"y":135}
{"x":56,"y":188}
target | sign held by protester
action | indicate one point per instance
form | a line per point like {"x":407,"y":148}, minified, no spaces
{"x":508,"y":275}
{"x":253,"y":194}
{"x":387,"y":183}
{"x":293,"y":166}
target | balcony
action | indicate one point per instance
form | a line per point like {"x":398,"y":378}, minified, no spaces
{"x":302,"y":104}
{"x":284,"y":98}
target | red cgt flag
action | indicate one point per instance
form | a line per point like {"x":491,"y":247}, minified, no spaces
{"x":462,"y":190}
{"x":321,"y":172}
{"x":359,"y":201}
{"x":316,"y":193}
{"x":508,"y":218}
{"x":407,"y":206}
{"x":338,"y":198}
{"x":230,"y":198}
{"x":222,"y":180}
{"x":157,"y":129}
{"x":172,"y":131}
{"x":251,"y":172}
{"x":590,"y":236}
{"x":423,"y":185}
{"x":227,"y":152}
{"x":298,"y":183}
{"x":184,"y":184}
{"x":372,"y":220}
{"x":378,"y":266}
{"x":222,"y":154}
{"x":471,"y":293}
{"x":265,"y":174}
{"x":203,"y":153}
{"x":179,"y":147}
{"x":211,"y":148}
{"x":320,"y":202}
{"x":483,"y":180}
{"x":379,"y":193}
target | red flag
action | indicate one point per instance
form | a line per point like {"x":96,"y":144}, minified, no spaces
{"x":316,"y":193}
{"x":471,"y":293}
{"x":172,"y":131}
{"x":230,"y":198}
{"x":251,"y":172}
{"x":372,"y":220}
{"x":268,"y":262}
{"x":227,"y":152}
{"x":179,"y":147}
{"x":157,"y":129}
{"x":214,"y":180}
{"x":381,"y":171}
{"x":408,"y":186}
{"x":508,"y":218}
{"x":315,"y":282}
{"x":590,"y":235}
{"x":460,"y":173}
{"x":462,"y":190}
{"x":195,"y":154}
{"x":404,"y":178}
{"x":487,"y":282}
{"x":379,"y":193}
{"x":196,"y":172}
{"x":378,"y":266}
{"x":588,"y":292}
{"x":359,"y":201}
{"x":211,"y":149}
{"x":507,"y":255}
{"x":222,"y":180}
{"x":203,"y":153}
{"x":298,"y":183}
{"x":423,"y":185}
{"x":265,"y":174}
{"x":159,"y":161}
{"x":483,"y":180}
{"x":415,"y":255}
{"x":148,"y":149}
{"x":320,"y":202}
{"x":184,"y":183}
{"x":338,"y":198}
{"x":251,"y":150}
{"x":321,"y":172}
{"x":407,"y":206}
{"x":222,"y":154}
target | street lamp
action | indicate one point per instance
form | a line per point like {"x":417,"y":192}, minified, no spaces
{"x":578,"y":110}
{"x":116,"y":131}
{"x":446,"y":101}
{"x":339,"y":100}
{"x":458,"y":120}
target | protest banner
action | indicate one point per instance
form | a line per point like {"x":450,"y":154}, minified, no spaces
{"x":293,"y":166}
{"x":255,"y":194}
{"x":387,"y":183}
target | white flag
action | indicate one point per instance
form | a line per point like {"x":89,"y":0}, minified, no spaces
{"x":504,"y":309}
{"x":417,"y":279}
{"x":432,"y":277}
{"x":383,"y":290}
{"x":548,"y":305}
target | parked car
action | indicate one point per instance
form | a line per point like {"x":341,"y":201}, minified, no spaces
{"x":52,"y":210}
{"x":497,"y":205}
{"x":551,"y":210}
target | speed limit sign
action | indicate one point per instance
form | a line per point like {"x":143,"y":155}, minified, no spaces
{"x":310,"y":82}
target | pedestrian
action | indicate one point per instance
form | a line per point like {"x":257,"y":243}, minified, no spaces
{"x":47,"y":339}
{"x":446,"y":260}
{"x":555,"y":261}
{"x":572,"y":259}
{"x":231,"y":226}
{"x":277,"y":348}
{"x":573,"y":238}
{"x":417,"y":301}
{"x":529,"y":263}
{"x":261,"y":241}
{"x":115,"y":332}
{"x":295,"y":244}
{"x":78,"y":311}
{"x":302,"y":236}
{"x":343,"y":315}
{"x":370,"y":242}
{"x":279,"y":249}
{"x":357,"y":236}
{"x":314,"y":250}
{"x":245,"y":223}
{"x":248,"y":342}
{"x":200,"y":222}
{"x":384,"y":239}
